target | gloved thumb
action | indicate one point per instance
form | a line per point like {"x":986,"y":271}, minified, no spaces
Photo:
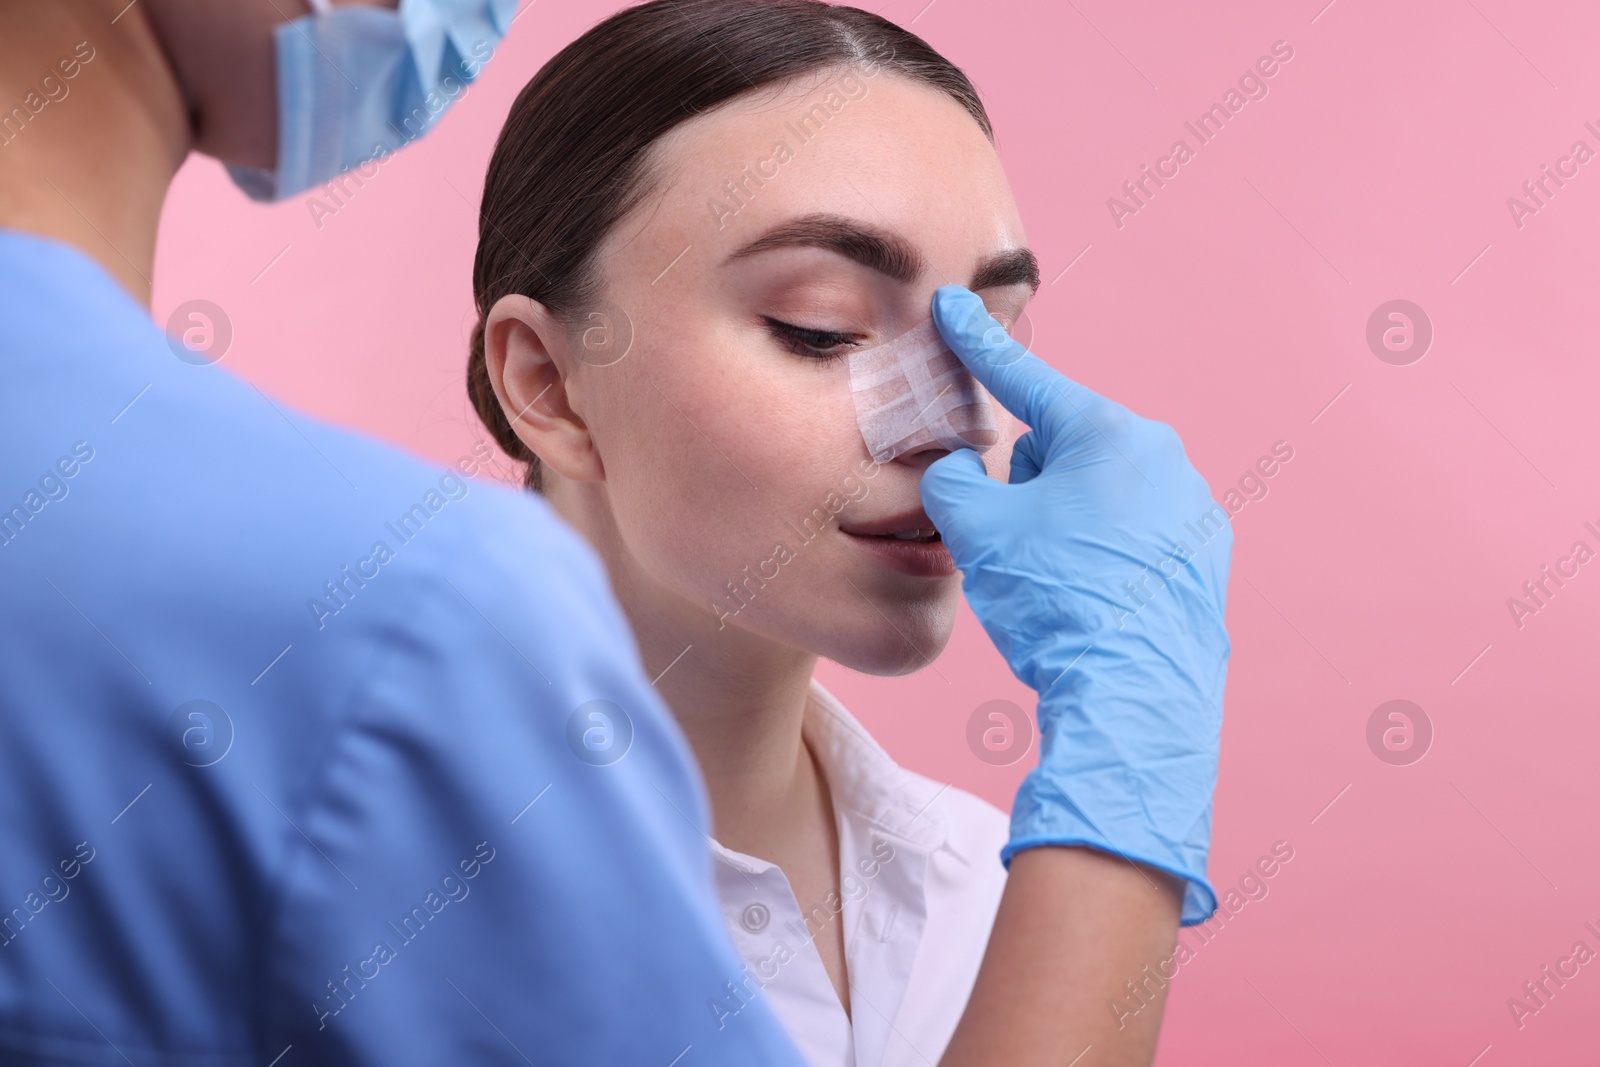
{"x":954,"y":485}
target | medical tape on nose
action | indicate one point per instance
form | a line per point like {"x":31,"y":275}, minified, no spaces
{"x":912,"y":391}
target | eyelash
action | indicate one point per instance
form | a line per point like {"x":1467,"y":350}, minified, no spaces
{"x":804,"y":342}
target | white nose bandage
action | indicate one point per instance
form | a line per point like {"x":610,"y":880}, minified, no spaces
{"x":912,"y":391}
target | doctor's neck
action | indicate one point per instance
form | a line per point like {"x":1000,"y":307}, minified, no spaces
{"x":92,"y":128}
{"x":102,"y":100}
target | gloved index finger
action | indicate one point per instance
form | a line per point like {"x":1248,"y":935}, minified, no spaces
{"x":1024,"y":384}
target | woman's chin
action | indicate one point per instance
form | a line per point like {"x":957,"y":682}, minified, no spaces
{"x":887,"y":652}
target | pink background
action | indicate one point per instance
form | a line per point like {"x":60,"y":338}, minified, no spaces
{"x":1234,"y":306}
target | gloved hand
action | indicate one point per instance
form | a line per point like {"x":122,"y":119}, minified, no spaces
{"x":1100,"y":572}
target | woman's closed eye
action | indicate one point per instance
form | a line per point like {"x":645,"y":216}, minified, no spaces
{"x":813,"y":344}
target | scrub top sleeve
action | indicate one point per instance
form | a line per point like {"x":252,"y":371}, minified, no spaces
{"x":504,"y":858}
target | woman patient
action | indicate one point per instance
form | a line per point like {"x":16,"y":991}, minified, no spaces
{"x":693,"y":216}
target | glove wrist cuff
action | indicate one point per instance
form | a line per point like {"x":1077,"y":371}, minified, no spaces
{"x":1199,"y":898}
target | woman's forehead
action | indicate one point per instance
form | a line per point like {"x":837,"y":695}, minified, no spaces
{"x":905,"y":157}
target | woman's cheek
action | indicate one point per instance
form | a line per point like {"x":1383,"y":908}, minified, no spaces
{"x":710,"y":501}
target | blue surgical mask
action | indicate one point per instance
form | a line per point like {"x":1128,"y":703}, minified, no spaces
{"x":357,"y":83}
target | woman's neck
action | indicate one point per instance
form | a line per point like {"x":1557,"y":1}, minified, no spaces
{"x":741,"y":701}
{"x":740,"y":698}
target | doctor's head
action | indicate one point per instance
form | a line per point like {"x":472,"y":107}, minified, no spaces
{"x":694,"y":213}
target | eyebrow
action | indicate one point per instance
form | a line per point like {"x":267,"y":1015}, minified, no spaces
{"x":885,"y":251}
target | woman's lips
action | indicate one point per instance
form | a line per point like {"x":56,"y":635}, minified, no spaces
{"x":913,"y":519}
{"x":920,"y":559}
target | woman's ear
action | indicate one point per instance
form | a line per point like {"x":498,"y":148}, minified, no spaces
{"x":525,"y":352}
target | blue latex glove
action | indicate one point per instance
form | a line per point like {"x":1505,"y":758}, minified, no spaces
{"x":1100,"y":572}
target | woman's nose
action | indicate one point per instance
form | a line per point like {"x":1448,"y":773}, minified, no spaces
{"x":912,"y":392}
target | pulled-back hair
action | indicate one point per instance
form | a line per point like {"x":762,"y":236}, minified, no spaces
{"x":572,"y":158}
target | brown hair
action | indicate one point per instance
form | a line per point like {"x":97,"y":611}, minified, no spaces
{"x":571,"y":159}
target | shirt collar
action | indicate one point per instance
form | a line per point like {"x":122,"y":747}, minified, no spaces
{"x":864,"y":783}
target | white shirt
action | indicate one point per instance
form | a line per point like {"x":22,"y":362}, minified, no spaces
{"x":919,"y":882}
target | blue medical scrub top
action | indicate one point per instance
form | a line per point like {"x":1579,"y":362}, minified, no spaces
{"x":314,"y":753}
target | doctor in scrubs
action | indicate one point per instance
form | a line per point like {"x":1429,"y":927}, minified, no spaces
{"x":302,"y":762}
